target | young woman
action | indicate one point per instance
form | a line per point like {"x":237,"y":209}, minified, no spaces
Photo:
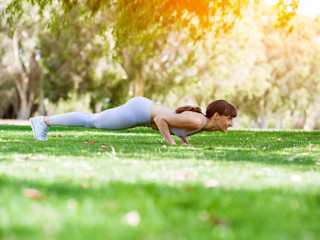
{"x":140,"y":111}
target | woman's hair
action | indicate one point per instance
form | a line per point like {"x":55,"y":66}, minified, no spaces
{"x":188,"y":108}
{"x":220,"y":106}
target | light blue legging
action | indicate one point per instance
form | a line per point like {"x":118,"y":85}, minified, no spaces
{"x":136,"y":112}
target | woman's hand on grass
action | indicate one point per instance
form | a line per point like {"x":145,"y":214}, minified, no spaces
{"x":194,"y":143}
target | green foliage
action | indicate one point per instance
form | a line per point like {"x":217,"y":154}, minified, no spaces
{"x":69,"y":55}
{"x":84,"y":191}
{"x":141,"y":21}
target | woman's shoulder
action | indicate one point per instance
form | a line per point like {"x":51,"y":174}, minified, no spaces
{"x":158,"y":109}
{"x":196,"y":118}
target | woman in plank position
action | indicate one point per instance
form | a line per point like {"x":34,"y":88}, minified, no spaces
{"x":140,"y":111}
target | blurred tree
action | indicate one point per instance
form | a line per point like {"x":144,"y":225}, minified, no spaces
{"x":70,"y":56}
{"x":282,"y":79}
{"x":266,"y":74}
{"x":20,"y":67}
{"x":41,"y":64}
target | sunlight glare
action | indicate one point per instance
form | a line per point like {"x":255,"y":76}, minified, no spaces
{"x":310,"y":8}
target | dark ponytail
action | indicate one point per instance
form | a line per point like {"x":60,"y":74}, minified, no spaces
{"x":188,"y":108}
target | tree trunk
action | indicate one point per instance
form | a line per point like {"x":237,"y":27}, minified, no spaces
{"x":25,"y":104}
{"x":139,"y":86}
{"x":42,"y":109}
{"x":133,"y":69}
{"x":22,"y":84}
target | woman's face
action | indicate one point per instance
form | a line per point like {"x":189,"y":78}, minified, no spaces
{"x":224,"y":122}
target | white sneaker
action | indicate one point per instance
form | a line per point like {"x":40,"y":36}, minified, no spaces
{"x":39,"y":128}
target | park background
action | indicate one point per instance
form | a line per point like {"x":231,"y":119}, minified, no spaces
{"x":59,"y":58}
{"x":88,"y":55}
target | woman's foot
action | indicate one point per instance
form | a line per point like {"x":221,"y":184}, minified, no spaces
{"x":39,"y":128}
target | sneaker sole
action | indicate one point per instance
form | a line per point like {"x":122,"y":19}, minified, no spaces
{"x":31,"y":123}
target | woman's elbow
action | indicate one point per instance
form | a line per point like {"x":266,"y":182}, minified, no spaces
{"x":158,"y":119}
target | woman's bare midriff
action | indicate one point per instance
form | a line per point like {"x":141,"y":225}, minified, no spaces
{"x":156,"y":110}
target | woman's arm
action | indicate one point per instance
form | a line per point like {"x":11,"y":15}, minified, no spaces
{"x":164,"y":130}
{"x":184,"y":140}
{"x":184,"y":120}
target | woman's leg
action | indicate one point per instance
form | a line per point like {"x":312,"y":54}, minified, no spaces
{"x":73,"y":119}
{"x":40,"y":125}
{"x":136,"y":112}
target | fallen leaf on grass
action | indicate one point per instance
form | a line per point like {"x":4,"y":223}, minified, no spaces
{"x":31,"y":193}
{"x":295,"y":204}
{"x":87,"y":166}
{"x":103,"y":147}
{"x":211,"y":183}
{"x":206,"y":216}
{"x":144,"y":167}
{"x":129,"y":161}
{"x":58,"y":135}
{"x":201,"y":154}
{"x":19,"y":159}
{"x":203,"y":215}
{"x":265,"y":169}
{"x":90,"y":175}
{"x":83,"y":151}
{"x":72,"y":203}
{"x":226,"y":187}
{"x":37,"y":157}
{"x":209,"y":148}
{"x":89,"y":143}
{"x":85,"y":185}
{"x":207,"y":163}
{"x":180,"y":176}
{"x":112,"y":156}
{"x":67,"y":165}
{"x":264,"y":148}
{"x":279,"y":140}
{"x":312,"y":149}
{"x":132,"y":218}
{"x":40,"y":169}
{"x":113,"y":151}
{"x":220,"y":222}
{"x":303,"y":154}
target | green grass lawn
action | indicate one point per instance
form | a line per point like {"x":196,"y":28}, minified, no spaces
{"x":95,"y":184}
